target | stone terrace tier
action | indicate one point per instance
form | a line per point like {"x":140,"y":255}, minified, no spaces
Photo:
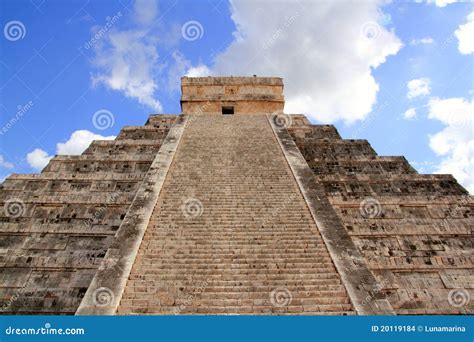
{"x":415,"y":231}
{"x":56,"y":227}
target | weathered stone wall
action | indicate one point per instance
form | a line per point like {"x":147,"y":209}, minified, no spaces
{"x":415,"y":231}
{"x":55,"y":227}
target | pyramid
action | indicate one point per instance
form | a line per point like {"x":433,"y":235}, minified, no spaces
{"x":234,"y":207}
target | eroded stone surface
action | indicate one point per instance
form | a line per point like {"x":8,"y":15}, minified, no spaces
{"x":57,"y":226}
{"x":411,"y":229}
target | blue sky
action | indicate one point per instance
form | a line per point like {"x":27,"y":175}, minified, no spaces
{"x":399,"y":74}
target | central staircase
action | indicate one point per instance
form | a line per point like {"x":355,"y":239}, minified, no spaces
{"x":231,"y":232}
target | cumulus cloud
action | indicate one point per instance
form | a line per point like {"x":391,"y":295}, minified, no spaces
{"x":441,"y":3}
{"x":418,"y":87}
{"x":325,"y":51}
{"x":38,"y":158}
{"x":200,"y":70}
{"x":456,"y":141}
{"x":79,"y":141}
{"x":179,"y":66}
{"x":76,"y":144}
{"x":422,"y":41}
{"x":465,"y":35}
{"x":5,"y":164}
{"x":127,"y":61}
{"x":410,"y":114}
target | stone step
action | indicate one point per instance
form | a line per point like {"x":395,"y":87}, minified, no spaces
{"x":142,"y":133}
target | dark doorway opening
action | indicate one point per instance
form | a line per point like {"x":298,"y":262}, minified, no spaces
{"x":227,"y":110}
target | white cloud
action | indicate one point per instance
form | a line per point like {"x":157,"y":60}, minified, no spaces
{"x":325,"y":52}
{"x":442,"y":3}
{"x":426,"y":40}
{"x":198,"y":71}
{"x":410,"y":113}
{"x":127,"y":61}
{"x":5,"y":164}
{"x":79,"y":141}
{"x":418,"y":87}
{"x":75,"y":145}
{"x":456,"y":141}
{"x":38,"y":159}
{"x":145,"y":11}
{"x":179,"y":66}
{"x":465,"y":35}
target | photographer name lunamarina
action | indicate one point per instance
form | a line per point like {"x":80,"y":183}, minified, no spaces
{"x":444,"y":329}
